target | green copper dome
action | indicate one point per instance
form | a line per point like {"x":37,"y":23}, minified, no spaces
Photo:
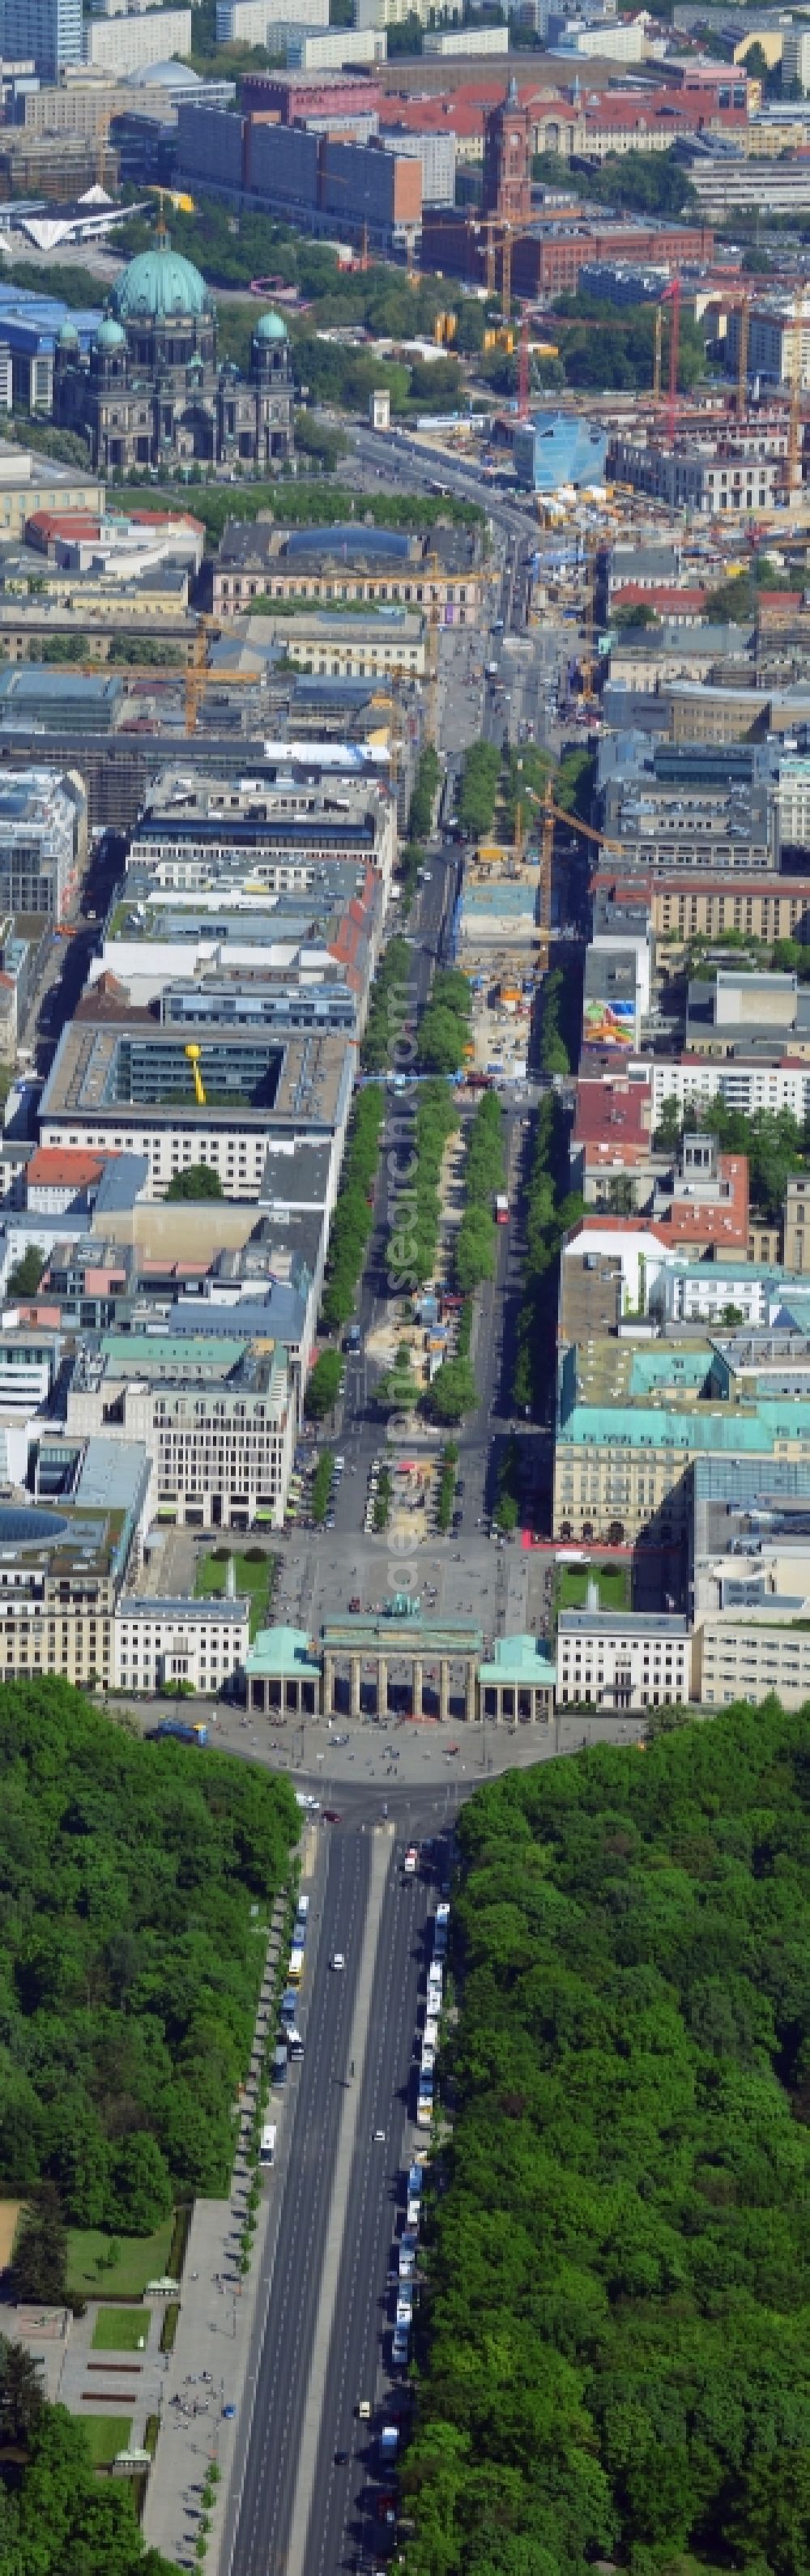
{"x":159,"y":287}
{"x":110,"y":335}
{"x":270,"y":327}
{"x":67,"y":336}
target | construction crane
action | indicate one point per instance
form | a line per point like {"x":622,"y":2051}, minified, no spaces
{"x":198,"y":676}
{"x":551,"y":814}
{"x":523,"y":369}
{"x":498,"y":234}
{"x":193,"y":1053}
{"x":672,"y":296}
{"x":658,"y":333}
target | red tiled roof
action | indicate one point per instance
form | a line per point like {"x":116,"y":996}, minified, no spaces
{"x":64,"y":1165}
{"x":632,"y":594}
{"x":722,"y":1222}
{"x":612,"y":1119}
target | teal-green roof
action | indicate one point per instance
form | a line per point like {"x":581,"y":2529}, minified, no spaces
{"x":183,"y":1353}
{"x":522,"y":1661}
{"x":110,"y":334}
{"x":279,"y":1653}
{"x":67,"y":336}
{"x":160,"y":286}
{"x":668,"y":1368}
{"x":270,"y":327}
{"x":730,"y":1427}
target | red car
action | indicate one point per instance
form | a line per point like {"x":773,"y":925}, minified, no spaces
{"x":331,"y":1816}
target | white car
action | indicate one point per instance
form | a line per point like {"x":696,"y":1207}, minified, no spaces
{"x":338,"y":1960}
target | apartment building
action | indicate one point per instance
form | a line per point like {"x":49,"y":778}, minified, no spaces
{"x":726,"y":186}
{"x":623,"y":1470}
{"x":744,"y":1083}
{"x":216,"y":1416}
{"x":272,"y":838}
{"x":126,"y":44}
{"x":43,"y":841}
{"x":778,"y":342}
{"x":348,"y":647}
{"x":741,"y":477}
{"x":674,"y":822}
{"x":651,"y":659}
{"x":120,"y":1081}
{"x":46,"y":32}
{"x":160,"y":1643}
{"x":624,"y":1660}
{"x":704,"y":906}
{"x":300,"y":959}
{"x":739,"y":1660}
{"x":65,"y":1555}
{"x":31,"y":482}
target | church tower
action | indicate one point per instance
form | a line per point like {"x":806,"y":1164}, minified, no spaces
{"x":507,"y":189}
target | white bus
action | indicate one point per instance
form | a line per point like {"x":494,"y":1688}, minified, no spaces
{"x":267,"y":2150}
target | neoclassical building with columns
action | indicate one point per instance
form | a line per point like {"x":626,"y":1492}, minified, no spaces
{"x":397,"y":1665}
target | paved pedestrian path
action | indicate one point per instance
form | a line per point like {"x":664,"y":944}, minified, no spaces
{"x":205,"y":2373}
{"x":113,"y":2382}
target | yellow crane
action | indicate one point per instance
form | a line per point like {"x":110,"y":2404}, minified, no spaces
{"x":552,"y":814}
{"x":193,"y":1053}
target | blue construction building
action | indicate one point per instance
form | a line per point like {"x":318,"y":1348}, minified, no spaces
{"x":29,"y":329}
{"x":550,"y":450}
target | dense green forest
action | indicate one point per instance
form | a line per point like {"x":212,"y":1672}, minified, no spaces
{"x":57,"y":2518}
{"x":615,"y":2336}
{"x":131,"y":1961}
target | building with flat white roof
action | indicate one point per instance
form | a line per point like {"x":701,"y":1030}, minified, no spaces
{"x":623,"y":1660}
{"x":159,"y":1642}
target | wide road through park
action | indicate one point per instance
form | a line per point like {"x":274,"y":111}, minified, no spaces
{"x":325,"y":2520}
{"x":310,"y":2120}
{"x":344,"y":2530}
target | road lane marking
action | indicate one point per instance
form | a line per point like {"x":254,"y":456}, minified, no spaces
{"x":311,"y":2427}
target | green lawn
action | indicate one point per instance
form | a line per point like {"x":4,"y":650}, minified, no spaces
{"x":613,"y":1581}
{"x":106,"y":2434}
{"x":256,"y":1580}
{"x":139,"y":2259}
{"x":122,"y":2329}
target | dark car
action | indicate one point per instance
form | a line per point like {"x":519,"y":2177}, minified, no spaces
{"x":331,"y":1816}
{"x":341,"y":2459}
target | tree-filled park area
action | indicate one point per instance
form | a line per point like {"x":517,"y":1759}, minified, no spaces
{"x":57,"y":2518}
{"x":614,"y":2339}
{"x":131,"y":1964}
